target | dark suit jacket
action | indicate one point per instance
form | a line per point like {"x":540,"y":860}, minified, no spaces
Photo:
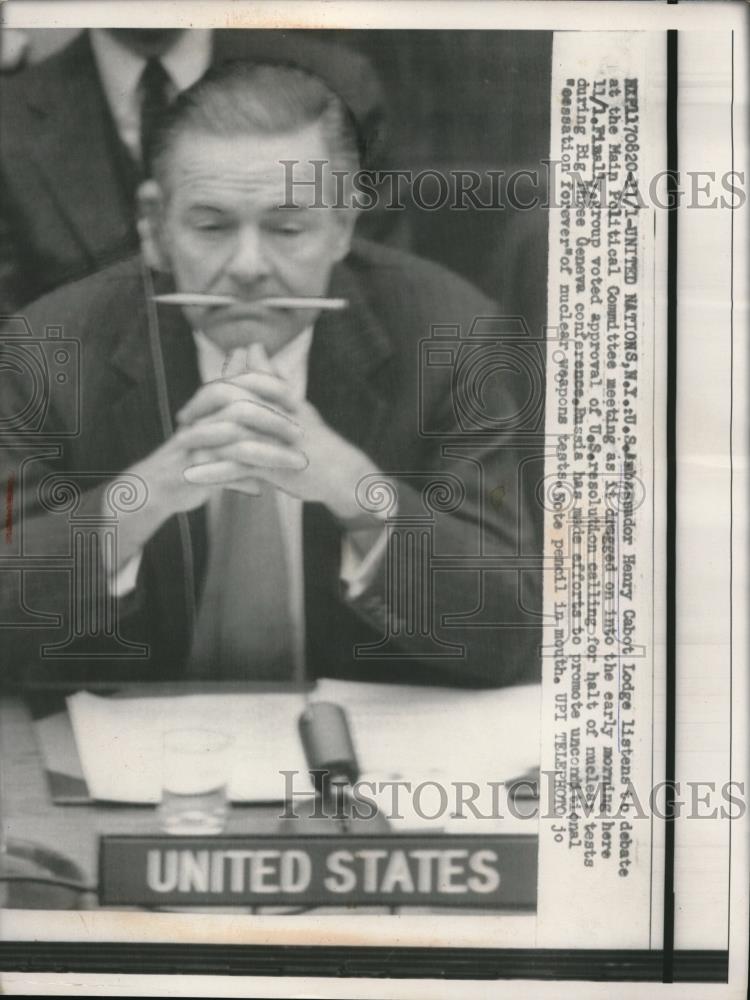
{"x":67,"y":185}
{"x":376,"y":383}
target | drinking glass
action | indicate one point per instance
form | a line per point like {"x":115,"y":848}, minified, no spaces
{"x":196,"y":768}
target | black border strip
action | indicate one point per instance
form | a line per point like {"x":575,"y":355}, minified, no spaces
{"x":396,"y":963}
{"x":668,"y":971}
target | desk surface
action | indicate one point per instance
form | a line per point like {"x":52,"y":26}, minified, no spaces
{"x":28,"y":813}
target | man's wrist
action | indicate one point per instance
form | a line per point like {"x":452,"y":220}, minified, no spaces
{"x":138,"y":526}
{"x":348,"y":509}
{"x":160,"y":502}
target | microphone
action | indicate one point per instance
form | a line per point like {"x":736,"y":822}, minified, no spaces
{"x":332,"y":762}
{"x":331,"y":758}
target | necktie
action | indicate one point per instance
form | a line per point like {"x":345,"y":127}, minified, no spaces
{"x":244,"y":629}
{"x":154,"y":87}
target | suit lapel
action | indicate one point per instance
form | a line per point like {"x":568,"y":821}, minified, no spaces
{"x":348,"y":350}
{"x":141,"y":358}
{"x":93,"y":189}
{"x":161,"y":369}
{"x":347,"y":383}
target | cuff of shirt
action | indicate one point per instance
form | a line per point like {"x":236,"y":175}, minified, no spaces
{"x":361,"y":554}
{"x":123,"y":582}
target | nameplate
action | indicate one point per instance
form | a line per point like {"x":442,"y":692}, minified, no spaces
{"x":416,"y":870}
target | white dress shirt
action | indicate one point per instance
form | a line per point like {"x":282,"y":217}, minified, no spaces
{"x":120,"y":70}
{"x":356,"y":569}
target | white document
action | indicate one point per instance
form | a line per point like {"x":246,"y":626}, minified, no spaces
{"x":120,"y":741}
{"x":414,"y":732}
{"x":399,"y":731}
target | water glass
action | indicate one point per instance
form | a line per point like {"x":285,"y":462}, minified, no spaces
{"x":196,"y":768}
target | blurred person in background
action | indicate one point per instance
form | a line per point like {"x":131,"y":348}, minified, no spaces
{"x":14,"y":50}
{"x":76,"y":129}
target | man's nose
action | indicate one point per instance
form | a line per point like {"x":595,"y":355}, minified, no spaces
{"x":248,"y":261}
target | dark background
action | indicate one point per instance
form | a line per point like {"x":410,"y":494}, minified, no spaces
{"x":474,"y":100}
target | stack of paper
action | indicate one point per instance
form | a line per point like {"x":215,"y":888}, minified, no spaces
{"x":120,"y":741}
{"x":410,"y":731}
{"x":399,"y":731}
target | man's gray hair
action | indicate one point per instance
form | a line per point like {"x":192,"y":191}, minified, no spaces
{"x":250,"y":98}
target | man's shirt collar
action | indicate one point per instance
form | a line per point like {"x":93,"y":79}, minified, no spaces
{"x":290,"y":363}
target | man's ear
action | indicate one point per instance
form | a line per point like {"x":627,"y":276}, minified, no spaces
{"x":346,"y":220}
{"x":150,"y":225}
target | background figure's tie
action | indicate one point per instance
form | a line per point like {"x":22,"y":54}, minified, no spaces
{"x":155,"y":88}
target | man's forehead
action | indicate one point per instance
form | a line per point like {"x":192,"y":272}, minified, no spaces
{"x":194,"y":180}
{"x":246,"y":161}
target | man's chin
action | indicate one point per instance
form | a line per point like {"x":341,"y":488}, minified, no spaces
{"x":241,"y":333}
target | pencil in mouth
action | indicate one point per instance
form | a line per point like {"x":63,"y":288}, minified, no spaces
{"x":273,"y":302}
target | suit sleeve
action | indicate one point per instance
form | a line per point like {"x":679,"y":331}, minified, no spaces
{"x":48,"y":492}
{"x":459,"y":585}
{"x":14,"y":278}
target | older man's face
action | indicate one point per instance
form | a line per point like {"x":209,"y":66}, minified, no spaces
{"x":224,"y":232}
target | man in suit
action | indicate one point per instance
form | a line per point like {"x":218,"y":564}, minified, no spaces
{"x":298,"y":469}
{"x":73,"y":127}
